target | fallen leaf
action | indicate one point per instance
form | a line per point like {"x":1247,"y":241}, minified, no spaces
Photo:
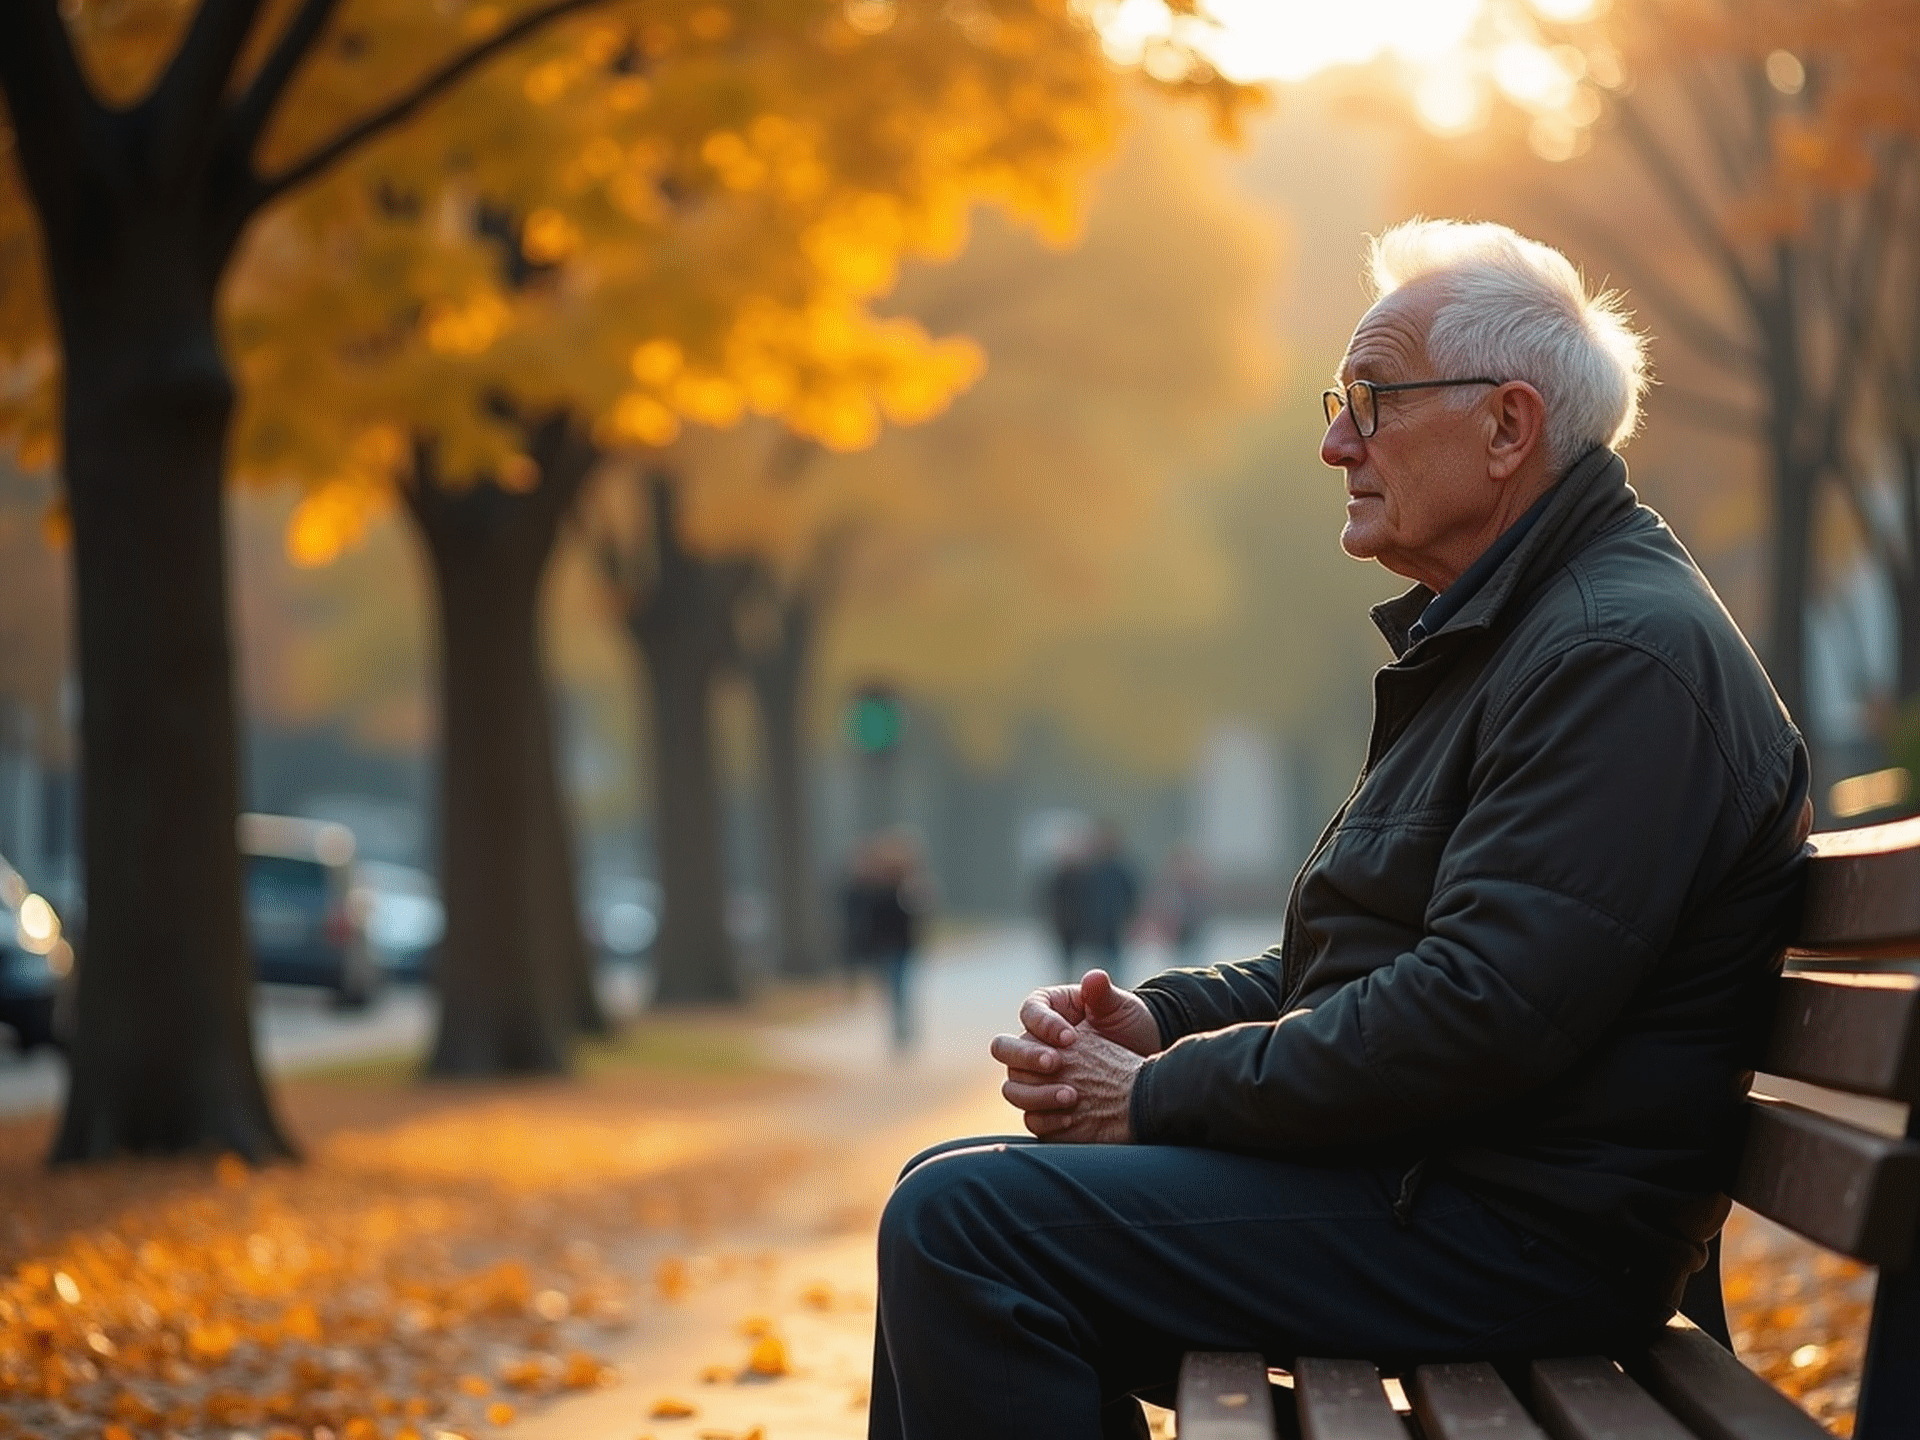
{"x":769,"y":1356}
{"x":670,"y":1278}
{"x":583,"y":1372}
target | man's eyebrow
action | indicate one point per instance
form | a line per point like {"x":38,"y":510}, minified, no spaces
{"x":1365,"y":368}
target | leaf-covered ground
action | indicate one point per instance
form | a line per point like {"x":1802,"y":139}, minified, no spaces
{"x":444,"y":1259}
{"x":450,"y":1260}
{"x":1799,"y":1316}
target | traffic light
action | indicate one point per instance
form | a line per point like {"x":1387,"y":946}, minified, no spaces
{"x":875,"y":719}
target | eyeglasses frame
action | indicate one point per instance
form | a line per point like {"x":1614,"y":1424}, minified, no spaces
{"x":1336,"y":399}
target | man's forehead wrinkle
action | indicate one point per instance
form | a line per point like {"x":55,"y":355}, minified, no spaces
{"x":1389,"y":350}
{"x":1390,"y":342}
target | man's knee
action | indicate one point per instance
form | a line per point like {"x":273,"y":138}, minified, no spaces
{"x":938,"y":1210}
{"x":950,"y":1147}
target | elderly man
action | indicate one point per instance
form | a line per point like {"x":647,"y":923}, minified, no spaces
{"x":1480,"y":1098}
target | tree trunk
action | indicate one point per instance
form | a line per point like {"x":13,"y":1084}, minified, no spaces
{"x":163,"y":1056}
{"x":1905,"y":574}
{"x":1793,"y":480}
{"x":683,"y":625}
{"x":1790,"y":547}
{"x":557,"y":896}
{"x":141,"y":204}
{"x":779,"y":671}
{"x":513,"y":961}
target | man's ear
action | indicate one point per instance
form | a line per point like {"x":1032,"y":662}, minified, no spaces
{"x":1518,"y":430}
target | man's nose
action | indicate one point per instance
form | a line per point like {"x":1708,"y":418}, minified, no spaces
{"x":1340,"y":447}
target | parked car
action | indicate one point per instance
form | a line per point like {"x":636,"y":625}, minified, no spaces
{"x":404,"y":917}
{"x":36,"y":962}
{"x":307,"y":925}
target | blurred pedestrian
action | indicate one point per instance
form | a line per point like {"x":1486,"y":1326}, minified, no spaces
{"x":1063,"y":897}
{"x":1179,"y":906}
{"x":1109,"y":897}
{"x":883,"y":902}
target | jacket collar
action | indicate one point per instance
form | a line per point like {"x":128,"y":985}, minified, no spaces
{"x":1593,"y":495}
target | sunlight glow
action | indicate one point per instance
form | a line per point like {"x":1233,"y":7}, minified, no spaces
{"x":1454,"y":58}
{"x":1568,"y":12}
{"x":1291,"y":39}
{"x":1538,"y":79}
{"x":1450,"y":100}
{"x":1785,"y":72}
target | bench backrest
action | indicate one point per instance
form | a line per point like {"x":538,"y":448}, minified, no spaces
{"x":1848,"y":1022}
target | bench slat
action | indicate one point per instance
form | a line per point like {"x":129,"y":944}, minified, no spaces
{"x":1851,"y":1190}
{"x":1468,"y":1402}
{"x":1588,"y":1398}
{"x":1224,"y":1395}
{"x":1859,"y":1033}
{"x":1863,"y":892}
{"x":1707,"y":1387}
{"x":1343,"y":1400}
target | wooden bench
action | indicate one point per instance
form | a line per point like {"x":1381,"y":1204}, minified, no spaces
{"x":1847,"y":1022}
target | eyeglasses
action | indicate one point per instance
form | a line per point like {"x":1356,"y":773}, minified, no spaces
{"x":1363,"y":398}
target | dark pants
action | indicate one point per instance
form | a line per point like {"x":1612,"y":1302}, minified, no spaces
{"x":895,"y":967}
{"x":1031,"y":1290}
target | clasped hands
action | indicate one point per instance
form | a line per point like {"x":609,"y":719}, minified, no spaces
{"x":1071,"y":1071}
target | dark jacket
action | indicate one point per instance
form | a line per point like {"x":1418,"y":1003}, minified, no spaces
{"x":1108,"y":897}
{"x":878,"y":918}
{"x":1536,"y":944}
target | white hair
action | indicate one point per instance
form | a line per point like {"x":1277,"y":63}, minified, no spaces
{"x":1516,"y":309}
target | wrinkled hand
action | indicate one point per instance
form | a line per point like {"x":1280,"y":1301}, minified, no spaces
{"x":1071,"y":1073}
{"x":1086,"y":1095}
{"x":1054,"y":1015}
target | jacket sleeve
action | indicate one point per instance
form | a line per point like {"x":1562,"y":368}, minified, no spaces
{"x":1600,"y":790}
{"x":1190,"y":1001}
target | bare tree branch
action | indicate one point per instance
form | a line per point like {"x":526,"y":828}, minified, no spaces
{"x":567,"y":455}
{"x":1710,"y":412}
{"x":1677,"y":311}
{"x":1706,"y":95}
{"x":1686,"y":204}
{"x":430,"y":87}
{"x":1736,"y":148}
{"x":249,"y":115}
{"x":1895,"y":346}
{"x":184,"y":107}
{"x":1860,"y":302}
{"x":1880,"y":545}
{"x":55,"y":115}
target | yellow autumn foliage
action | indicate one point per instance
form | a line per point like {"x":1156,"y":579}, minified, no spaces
{"x":704,"y":243}
{"x":384,"y":1289}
